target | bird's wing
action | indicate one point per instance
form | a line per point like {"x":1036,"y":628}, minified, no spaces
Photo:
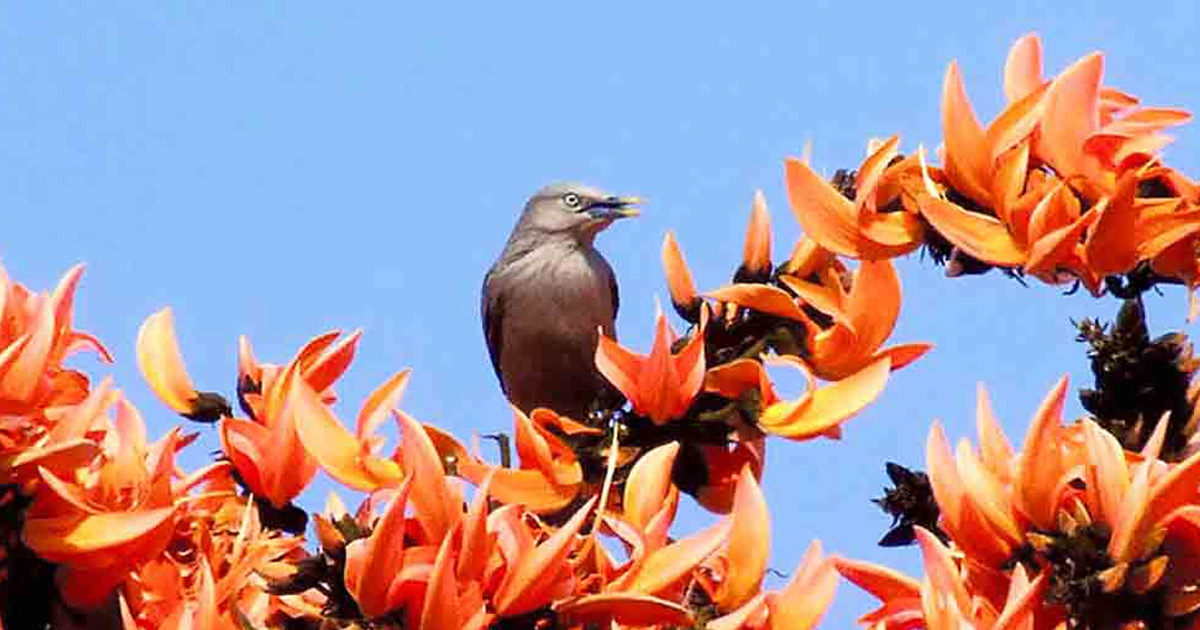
{"x":492,"y":308}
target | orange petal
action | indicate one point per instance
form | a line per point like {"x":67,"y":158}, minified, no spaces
{"x":733,"y":379}
{"x":327,"y":367}
{"x":372,"y":562}
{"x":626,"y":609}
{"x":668,"y":565}
{"x":334,"y":448}
{"x":525,"y":585}
{"x":807,"y":258}
{"x":802,"y":603}
{"x":1071,"y":115}
{"x":679,"y":279}
{"x":441,"y":610}
{"x":76,"y":540}
{"x":649,"y":484}
{"x":828,"y":406}
{"x":869,"y":174}
{"x":749,"y":546}
{"x":1039,"y":463}
{"x":979,"y":235}
{"x":437,"y":504}
{"x":765,"y":298}
{"x":882,"y":582}
{"x":994,"y":447}
{"x":379,"y":403}
{"x":756,"y":253}
{"x":874,"y":302}
{"x":621,"y":366}
{"x":1052,"y":251}
{"x":162,"y":364}
{"x":968,"y":159}
{"x":830,"y":219}
{"x":1023,"y":68}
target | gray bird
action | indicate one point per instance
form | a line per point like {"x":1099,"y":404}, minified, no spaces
{"x":546,"y":297}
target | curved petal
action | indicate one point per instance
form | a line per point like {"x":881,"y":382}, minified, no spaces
{"x":161,"y":363}
{"x":828,"y":406}
{"x":335,"y":449}
{"x":627,"y":609}
{"x":679,"y":279}
{"x":1023,"y":68}
{"x":649,"y":484}
{"x":968,"y":159}
{"x":749,"y":546}
{"x":977,"y":234}
{"x":756,"y":252}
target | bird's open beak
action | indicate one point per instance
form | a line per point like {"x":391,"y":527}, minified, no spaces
{"x":615,"y":208}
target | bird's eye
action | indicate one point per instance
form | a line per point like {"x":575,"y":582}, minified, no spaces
{"x":572,"y":200}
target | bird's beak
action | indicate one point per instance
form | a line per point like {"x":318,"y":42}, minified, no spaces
{"x":615,"y":208}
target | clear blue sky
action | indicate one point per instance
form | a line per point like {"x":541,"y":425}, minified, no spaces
{"x":278,"y":170}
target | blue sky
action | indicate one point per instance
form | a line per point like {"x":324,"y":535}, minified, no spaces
{"x":279,"y":170}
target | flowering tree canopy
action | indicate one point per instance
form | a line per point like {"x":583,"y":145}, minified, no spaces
{"x":1091,"y":522}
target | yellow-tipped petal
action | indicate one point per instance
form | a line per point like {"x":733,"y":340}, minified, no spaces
{"x":162,"y":364}
{"x":756,"y":253}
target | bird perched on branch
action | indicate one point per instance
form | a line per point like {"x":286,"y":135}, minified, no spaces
{"x":549,"y":295}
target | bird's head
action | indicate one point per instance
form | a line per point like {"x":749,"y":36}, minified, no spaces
{"x":575,"y":210}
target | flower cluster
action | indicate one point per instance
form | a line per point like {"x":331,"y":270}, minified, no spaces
{"x":1065,"y":185}
{"x":1092,"y":523}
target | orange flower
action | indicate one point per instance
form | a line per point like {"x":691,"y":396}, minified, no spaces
{"x":856,"y":229}
{"x":1095,"y":139}
{"x":862,"y":320}
{"x":36,"y":335}
{"x":819,"y":411}
{"x":266,"y":451}
{"x":352,"y":459}
{"x":122,"y":512}
{"x":660,"y":385}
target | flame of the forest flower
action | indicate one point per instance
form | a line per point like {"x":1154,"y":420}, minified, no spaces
{"x":662,"y":384}
{"x":863,"y":320}
{"x":354,"y":459}
{"x":100,"y":525}
{"x":852,"y":228}
{"x":266,"y":451}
